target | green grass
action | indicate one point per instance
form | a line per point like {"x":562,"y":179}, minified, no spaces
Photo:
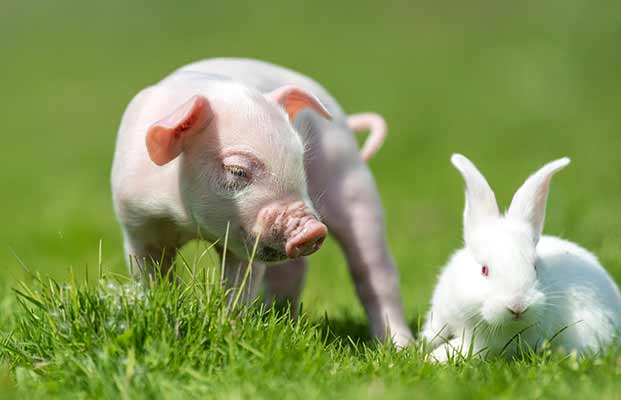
{"x":116,"y":337}
{"x":509,"y":85}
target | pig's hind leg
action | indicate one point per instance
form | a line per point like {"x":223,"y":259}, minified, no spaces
{"x":351,"y":207}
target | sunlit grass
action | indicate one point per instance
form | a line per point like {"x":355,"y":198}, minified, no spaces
{"x":510,"y":85}
{"x":115,"y":336}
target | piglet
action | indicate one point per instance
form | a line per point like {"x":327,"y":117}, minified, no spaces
{"x":211,"y":151}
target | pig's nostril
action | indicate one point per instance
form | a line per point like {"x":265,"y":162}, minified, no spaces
{"x":308,"y":241}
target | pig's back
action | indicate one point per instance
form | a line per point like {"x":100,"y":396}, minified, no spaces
{"x":264,"y":77}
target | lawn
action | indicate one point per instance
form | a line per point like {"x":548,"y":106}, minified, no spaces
{"x":511,"y":86}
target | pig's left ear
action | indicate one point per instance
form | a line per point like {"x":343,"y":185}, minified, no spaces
{"x":293,"y":100}
{"x":165,"y":137}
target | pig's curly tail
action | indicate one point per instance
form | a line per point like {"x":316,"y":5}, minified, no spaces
{"x":369,"y":122}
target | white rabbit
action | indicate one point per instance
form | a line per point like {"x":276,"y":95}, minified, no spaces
{"x":510,"y":288}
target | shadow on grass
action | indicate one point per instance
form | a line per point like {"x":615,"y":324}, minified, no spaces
{"x":352,"y":330}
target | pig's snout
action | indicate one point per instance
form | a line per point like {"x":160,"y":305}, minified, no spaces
{"x":308,"y":240}
{"x":291,"y":229}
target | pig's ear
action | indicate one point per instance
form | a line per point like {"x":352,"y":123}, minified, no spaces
{"x":293,"y":100}
{"x":165,"y":137}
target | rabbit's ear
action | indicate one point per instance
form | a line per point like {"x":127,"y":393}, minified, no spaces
{"x":480,"y":199}
{"x":529,"y":202}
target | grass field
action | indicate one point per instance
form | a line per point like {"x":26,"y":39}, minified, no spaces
{"x":509,"y":85}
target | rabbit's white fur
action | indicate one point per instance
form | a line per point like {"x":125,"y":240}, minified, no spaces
{"x":542,"y":288}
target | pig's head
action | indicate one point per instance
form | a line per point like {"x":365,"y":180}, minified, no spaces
{"x":242,"y":165}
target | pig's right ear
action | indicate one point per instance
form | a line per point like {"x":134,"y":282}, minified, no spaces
{"x":165,"y":137}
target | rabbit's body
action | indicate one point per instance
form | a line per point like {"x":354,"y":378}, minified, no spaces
{"x":508,"y":287}
{"x":579,"y":295}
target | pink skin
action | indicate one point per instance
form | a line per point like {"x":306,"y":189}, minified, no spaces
{"x":373,"y":123}
{"x":305,"y":234}
{"x":294,"y":100}
{"x":165,"y":137}
{"x":221,"y":182}
{"x":178,"y":185}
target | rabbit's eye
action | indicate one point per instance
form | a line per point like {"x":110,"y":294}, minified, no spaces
{"x":485,"y":271}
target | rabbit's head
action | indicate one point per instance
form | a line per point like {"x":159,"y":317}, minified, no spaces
{"x":501,"y":249}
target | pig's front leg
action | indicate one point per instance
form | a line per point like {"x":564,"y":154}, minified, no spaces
{"x":284,"y":283}
{"x":151,"y":246}
{"x":352,"y":210}
{"x":241,"y":279}
{"x":144,"y":258}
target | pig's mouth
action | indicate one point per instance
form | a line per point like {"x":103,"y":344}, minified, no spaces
{"x":270,"y":254}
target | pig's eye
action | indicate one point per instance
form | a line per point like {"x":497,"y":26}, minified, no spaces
{"x":236,"y":171}
{"x":236,"y":178}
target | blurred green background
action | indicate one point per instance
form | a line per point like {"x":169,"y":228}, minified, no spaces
{"x":510,"y":84}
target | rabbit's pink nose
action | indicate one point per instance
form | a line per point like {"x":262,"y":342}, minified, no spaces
{"x":517,"y":310}
{"x":308,"y":241}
